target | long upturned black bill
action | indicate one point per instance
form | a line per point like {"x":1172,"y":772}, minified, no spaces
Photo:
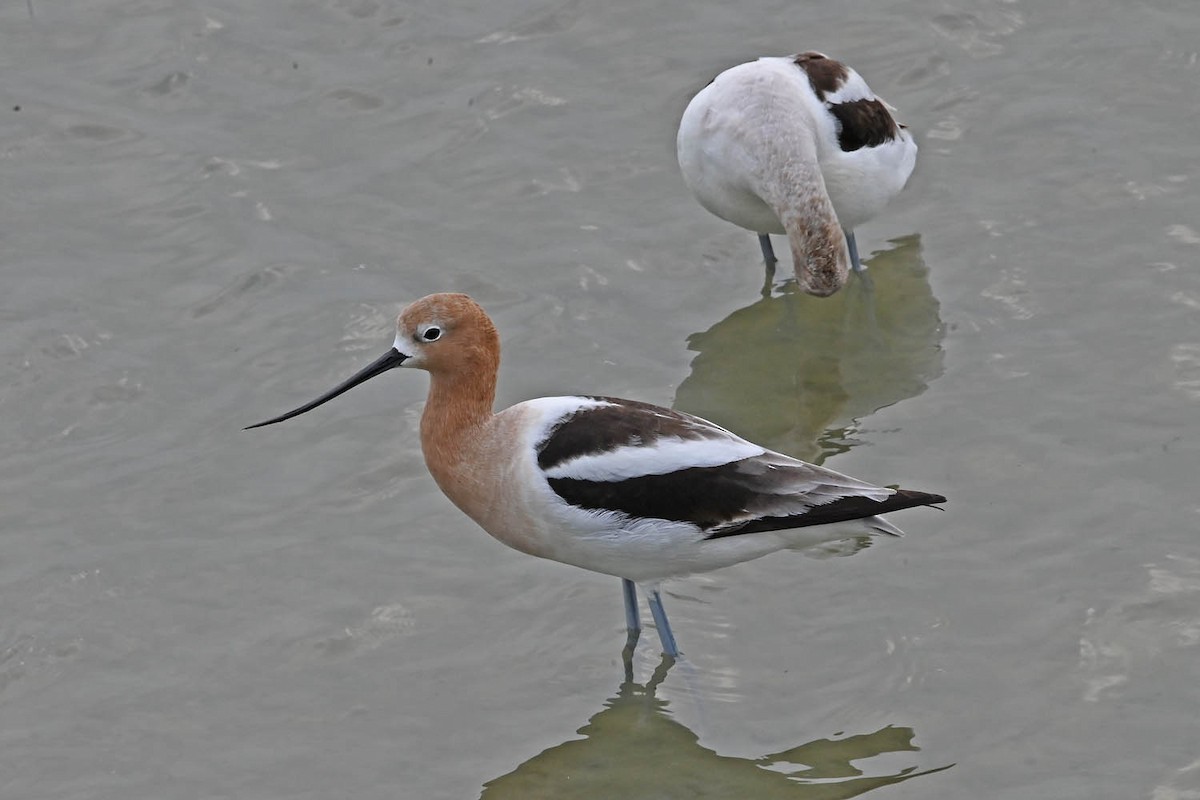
{"x":389,"y":360}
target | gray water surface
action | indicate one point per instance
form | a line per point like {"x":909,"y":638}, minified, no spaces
{"x":211,"y":212}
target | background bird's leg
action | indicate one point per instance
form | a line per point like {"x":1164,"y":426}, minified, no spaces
{"x":764,"y":241}
{"x":852,"y":246}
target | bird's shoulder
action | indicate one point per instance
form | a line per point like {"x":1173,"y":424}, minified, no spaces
{"x":596,"y":435}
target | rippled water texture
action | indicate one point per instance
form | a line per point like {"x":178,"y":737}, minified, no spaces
{"x":211,"y":212}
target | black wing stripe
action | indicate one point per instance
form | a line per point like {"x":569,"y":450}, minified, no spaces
{"x":715,"y":497}
{"x":703,"y":496}
{"x":843,"y":509}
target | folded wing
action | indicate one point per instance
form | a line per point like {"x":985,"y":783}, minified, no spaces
{"x":644,"y":461}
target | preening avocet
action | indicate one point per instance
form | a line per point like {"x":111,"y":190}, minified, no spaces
{"x":614,"y":486}
{"x":797,"y":145}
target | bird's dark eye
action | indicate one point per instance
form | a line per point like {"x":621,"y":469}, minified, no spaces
{"x":431,"y":334}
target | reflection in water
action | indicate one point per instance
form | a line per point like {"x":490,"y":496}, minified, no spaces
{"x":794,"y":372}
{"x":632,"y":748}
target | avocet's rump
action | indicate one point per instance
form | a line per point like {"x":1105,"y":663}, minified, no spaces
{"x":797,"y":145}
{"x":614,"y":486}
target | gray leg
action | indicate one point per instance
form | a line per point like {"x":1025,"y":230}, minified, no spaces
{"x":764,"y":241}
{"x":633,"y":620}
{"x":664,"y":628}
{"x":855,"y":264}
{"x":633,"y":623}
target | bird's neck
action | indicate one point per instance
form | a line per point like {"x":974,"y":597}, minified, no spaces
{"x":817,"y":240}
{"x":791,"y":182}
{"x":458,"y":408}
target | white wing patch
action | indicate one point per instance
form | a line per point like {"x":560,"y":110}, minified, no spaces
{"x":855,"y":88}
{"x":662,"y":457}
{"x":552,"y":410}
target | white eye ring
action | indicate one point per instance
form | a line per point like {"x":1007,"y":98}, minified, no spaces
{"x":431,"y":334}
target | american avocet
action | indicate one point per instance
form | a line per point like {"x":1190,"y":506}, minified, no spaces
{"x":614,"y":486}
{"x":797,"y":145}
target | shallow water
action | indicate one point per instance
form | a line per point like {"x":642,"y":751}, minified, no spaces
{"x":213,"y":212}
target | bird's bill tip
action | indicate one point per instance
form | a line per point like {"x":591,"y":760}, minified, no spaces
{"x":389,"y":360}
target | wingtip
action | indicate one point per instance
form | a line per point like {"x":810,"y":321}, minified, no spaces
{"x":919,"y":498}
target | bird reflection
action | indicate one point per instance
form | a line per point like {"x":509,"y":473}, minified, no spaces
{"x":796,"y":372}
{"x":633,"y":748}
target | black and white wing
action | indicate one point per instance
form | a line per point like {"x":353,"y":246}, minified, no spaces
{"x":649,"y":462}
{"x":864,"y":120}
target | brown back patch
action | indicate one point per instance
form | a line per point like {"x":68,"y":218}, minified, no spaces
{"x":865,"y":123}
{"x":825,"y":75}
